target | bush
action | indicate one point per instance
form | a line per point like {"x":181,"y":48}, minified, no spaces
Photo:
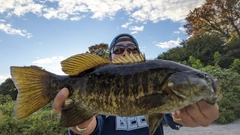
{"x":229,"y":106}
{"x":43,"y":122}
{"x":5,"y":99}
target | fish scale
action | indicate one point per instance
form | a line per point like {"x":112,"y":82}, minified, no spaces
{"x":100,"y":87}
{"x":119,"y":94}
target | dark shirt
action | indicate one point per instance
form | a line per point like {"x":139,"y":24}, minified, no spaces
{"x":112,"y":125}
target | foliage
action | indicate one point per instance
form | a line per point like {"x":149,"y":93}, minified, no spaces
{"x":44,"y":121}
{"x":99,"y":49}
{"x":231,"y":51}
{"x":8,"y":87}
{"x":229,"y":82}
{"x":215,"y":16}
{"x":218,"y":18}
{"x":196,"y":63}
{"x":230,"y":85}
{"x":233,"y":47}
{"x":217,"y":57}
{"x":235,"y":66}
{"x":176,"y":54}
{"x":201,"y":47}
{"x":4,"y":99}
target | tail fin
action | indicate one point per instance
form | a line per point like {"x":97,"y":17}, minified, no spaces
{"x":30,"y":85}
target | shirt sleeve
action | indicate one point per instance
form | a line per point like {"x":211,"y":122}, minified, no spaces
{"x":97,"y":130}
{"x":169,"y":120}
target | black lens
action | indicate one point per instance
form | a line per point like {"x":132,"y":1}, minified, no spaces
{"x":119,"y":49}
{"x":132,"y":48}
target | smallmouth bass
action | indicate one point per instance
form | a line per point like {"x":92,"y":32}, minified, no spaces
{"x":98,"y":86}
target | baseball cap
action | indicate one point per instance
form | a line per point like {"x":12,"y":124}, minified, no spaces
{"x":115,"y":40}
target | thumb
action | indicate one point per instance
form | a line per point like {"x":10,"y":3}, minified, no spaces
{"x":59,"y":100}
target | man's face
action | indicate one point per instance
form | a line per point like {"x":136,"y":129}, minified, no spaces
{"x":128,"y":47}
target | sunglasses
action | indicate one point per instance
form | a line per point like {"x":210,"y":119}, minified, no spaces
{"x":119,"y":49}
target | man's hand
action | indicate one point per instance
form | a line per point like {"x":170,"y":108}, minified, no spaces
{"x":199,"y":114}
{"x":59,"y":102}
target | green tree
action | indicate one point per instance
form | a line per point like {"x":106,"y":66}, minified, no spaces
{"x":195,"y":63}
{"x":8,"y":87}
{"x":235,"y":66}
{"x":99,"y":49}
{"x":229,"y":81}
{"x":232,"y":47}
{"x":231,"y":52}
{"x":203,"y":47}
{"x":217,"y":58}
{"x":200,"y":47}
{"x":176,"y":54}
{"x":5,"y":98}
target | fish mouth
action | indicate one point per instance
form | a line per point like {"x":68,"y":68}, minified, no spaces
{"x":195,"y":88}
{"x":214,"y":98}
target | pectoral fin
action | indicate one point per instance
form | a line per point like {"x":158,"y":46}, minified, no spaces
{"x":153,"y":121}
{"x":73,"y":115}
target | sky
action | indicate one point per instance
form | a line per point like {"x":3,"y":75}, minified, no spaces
{"x":45,"y":32}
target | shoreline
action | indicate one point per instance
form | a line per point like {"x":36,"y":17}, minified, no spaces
{"x":213,"y":129}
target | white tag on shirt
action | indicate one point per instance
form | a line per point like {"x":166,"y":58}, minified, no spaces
{"x":130,"y":123}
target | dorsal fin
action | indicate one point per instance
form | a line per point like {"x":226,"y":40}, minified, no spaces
{"x":131,"y":58}
{"x":82,"y":62}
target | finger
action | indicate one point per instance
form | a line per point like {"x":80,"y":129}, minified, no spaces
{"x":207,"y":108}
{"x":85,"y":124}
{"x":184,"y":118}
{"x":194,"y":117}
{"x":176,"y":117}
{"x":59,"y":100}
{"x":179,"y":121}
{"x":210,"y":112}
{"x":202,"y":113}
{"x":182,"y":113}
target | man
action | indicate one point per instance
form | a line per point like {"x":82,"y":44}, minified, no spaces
{"x":199,"y":114}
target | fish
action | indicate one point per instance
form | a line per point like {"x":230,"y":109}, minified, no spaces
{"x":127,"y":86}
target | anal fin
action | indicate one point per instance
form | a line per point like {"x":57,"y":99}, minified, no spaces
{"x":73,"y":115}
{"x":153,"y":120}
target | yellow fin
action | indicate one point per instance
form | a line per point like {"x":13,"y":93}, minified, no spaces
{"x":153,"y":120}
{"x":131,"y":58}
{"x":30,"y":85}
{"x":82,"y":62}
